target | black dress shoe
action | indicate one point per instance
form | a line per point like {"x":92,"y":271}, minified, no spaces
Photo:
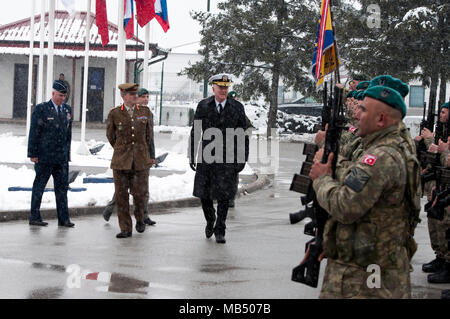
{"x":434,"y":265}
{"x":441,"y":277}
{"x":66,"y":224}
{"x":140,"y":227}
{"x":149,"y":222}
{"x":38,"y":223}
{"x":123,"y":234}
{"x":220,"y":239}
{"x":209,"y":229}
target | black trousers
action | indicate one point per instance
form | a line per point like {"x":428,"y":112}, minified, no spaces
{"x":210,"y":214}
{"x":60,"y":173}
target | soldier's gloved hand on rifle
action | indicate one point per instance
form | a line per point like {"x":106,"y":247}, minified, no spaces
{"x":318,"y":169}
{"x":426,"y":133}
{"x":193,"y":166}
{"x":320,"y":136}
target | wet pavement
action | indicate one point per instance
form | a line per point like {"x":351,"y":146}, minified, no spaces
{"x":174,"y":259}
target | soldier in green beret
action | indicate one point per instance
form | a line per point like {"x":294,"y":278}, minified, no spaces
{"x":439,"y":268}
{"x":372,"y":217}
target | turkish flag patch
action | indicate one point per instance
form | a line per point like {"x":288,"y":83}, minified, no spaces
{"x":352,"y":129}
{"x":369,"y":159}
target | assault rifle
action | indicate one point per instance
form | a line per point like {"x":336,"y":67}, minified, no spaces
{"x":308,"y":270}
{"x":440,"y":194}
{"x":431,"y":161}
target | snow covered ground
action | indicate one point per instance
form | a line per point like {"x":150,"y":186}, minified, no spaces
{"x":174,"y":186}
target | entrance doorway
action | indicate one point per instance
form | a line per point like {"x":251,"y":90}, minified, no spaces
{"x":21,"y":90}
{"x":95,"y":94}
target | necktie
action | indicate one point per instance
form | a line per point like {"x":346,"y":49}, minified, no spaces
{"x":220,"y":108}
{"x":59,"y":113}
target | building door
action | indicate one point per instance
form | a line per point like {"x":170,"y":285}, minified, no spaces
{"x":21,"y":90}
{"x":96,"y":85}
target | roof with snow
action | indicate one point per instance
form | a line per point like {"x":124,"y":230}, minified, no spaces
{"x":69,"y":37}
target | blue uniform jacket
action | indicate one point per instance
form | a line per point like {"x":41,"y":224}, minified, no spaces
{"x":50,"y":135}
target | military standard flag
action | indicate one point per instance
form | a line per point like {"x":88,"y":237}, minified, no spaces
{"x":324,"y":59}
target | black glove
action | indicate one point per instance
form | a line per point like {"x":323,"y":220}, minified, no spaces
{"x":193,"y":166}
{"x":240,"y":167}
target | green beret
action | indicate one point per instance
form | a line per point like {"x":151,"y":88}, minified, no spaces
{"x":351,"y":93}
{"x":445,"y":105}
{"x":142,"y":92}
{"x":359,"y":95}
{"x":387,"y":95}
{"x":362,"y":85}
{"x":232,"y":94}
{"x":393,"y":83}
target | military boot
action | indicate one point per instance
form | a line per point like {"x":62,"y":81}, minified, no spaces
{"x":445,"y":294}
{"x":441,"y":277}
{"x":434,"y":265}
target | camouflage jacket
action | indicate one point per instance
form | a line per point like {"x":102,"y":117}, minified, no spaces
{"x":370,"y":215}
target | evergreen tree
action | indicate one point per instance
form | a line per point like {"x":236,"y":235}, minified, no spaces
{"x":265,"y":42}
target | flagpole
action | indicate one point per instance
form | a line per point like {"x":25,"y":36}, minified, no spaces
{"x":82,"y":149}
{"x":120,"y":51}
{"x":338,"y":76}
{"x":146,"y":55}
{"x":50,"y":51}
{"x":40,"y":83}
{"x":30,"y":71}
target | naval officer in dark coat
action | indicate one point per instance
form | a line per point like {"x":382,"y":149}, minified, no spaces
{"x":220,"y":158}
{"x":49,"y":149}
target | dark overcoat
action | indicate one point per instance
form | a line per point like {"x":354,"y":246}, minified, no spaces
{"x":50,"y":134}
{"x":217,"y":179}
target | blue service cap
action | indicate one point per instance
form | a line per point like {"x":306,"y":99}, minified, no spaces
{"x":59,"y":86}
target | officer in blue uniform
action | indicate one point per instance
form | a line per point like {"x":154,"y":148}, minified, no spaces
{"x":49,"y":149}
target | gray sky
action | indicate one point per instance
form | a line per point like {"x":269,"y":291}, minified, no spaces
{"x":183,"y":29}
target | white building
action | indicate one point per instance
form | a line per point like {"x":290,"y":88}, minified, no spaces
{"x":69,"y":60}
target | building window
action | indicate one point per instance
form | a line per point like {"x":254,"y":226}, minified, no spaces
{"x":416,"y":96}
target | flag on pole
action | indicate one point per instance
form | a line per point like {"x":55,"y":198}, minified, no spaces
{"x":128,"y":18}
{"x":145,"y":11}
{"x":101,"y":20}
{"x":162,"y":14}
{"x":324,"y":59}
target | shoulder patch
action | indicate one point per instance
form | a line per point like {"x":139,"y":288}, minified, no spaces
{"x":352,"y":129}
{"x":357,"y":179}
{"x":369,"y":159}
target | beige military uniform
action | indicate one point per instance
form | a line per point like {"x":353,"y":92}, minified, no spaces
{"x":130,"y":135}
{"x":371,"y":222}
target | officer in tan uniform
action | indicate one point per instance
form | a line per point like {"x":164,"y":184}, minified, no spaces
{"x":129,"y":132}
{"x":374,"y":208}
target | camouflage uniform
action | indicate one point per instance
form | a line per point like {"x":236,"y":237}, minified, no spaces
{"x":436,"y":228}
{"x":370,"y":219}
